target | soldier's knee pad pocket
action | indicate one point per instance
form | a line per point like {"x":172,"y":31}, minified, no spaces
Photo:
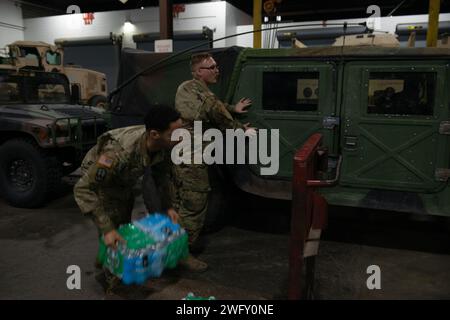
{"x":194,"y":200}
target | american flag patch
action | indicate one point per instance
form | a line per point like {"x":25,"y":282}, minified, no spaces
{"x":105,"y":161}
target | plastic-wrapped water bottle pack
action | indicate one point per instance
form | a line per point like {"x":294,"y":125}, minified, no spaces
{"x":153,"y":243}
{"x":192,"y":296}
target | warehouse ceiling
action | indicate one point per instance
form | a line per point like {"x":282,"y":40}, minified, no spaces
{"x":289,"y":10}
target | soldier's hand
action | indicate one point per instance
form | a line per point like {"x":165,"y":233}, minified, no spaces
{"x":112,"y":239}
{"x":242,"y":105}
{"x":173,"y":215}
{"x":249,"y":131}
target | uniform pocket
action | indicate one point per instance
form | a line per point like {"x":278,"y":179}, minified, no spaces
{"x":192,"y":177}
{"x":193,"y":201}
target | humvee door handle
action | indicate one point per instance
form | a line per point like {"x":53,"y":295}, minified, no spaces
{"x":351,"y":142}
{"x":330,"y":122}
{"x":327,"y":183}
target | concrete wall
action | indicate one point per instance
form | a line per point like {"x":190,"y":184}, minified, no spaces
{"x":245,"y":40}
{"x":218,"y":16}
{"x":234,"y":19}
{"x":11,"y":23}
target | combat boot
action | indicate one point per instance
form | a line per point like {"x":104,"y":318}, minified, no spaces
{"x":112,"y":282}
{"x":193,"y":264}
{"x":98,"y":265}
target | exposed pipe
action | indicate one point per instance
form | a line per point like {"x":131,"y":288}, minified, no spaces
{"x":11,"y":26}
{"x":421,"y":28}
{"x":204,"y":34}
{"x":84,"y":41}
{"x":433,"y":23}
{"x":257,"y":8}
{"x":319,"y":33}
{"x":165,"y":19}
{"x":322,"y":11}
{"x":395,"y":9}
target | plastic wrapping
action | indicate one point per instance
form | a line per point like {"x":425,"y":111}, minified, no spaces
{"x":153,"y":243}
{"x":192,"y":296}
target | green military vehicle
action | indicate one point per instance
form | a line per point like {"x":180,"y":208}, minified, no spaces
{"x":384,"y":111}
{"x":42,"y":136}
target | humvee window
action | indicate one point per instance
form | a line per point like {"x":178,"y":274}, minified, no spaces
{"x":292,"y":91}
{"x":401,"y":93}
{"x":53,"y":58}
{"x":50,"y":93}
{"x":9,"y":92}
{"x":35,"y":88}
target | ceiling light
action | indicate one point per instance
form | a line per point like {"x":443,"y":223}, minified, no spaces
{"x":128,"y":27}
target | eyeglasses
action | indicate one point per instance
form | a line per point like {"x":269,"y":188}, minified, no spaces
{"x":213,"y":67}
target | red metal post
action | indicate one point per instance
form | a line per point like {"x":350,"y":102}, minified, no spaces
{"x":302,"y":209}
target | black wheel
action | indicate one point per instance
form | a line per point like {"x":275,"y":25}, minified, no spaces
{"x":98,"y":101}
{"x":27,"y":174}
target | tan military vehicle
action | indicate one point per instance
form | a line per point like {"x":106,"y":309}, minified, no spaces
{"x":87,"y":87}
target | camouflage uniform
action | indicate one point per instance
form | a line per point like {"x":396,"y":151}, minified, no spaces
{"x":110,"y":170}
{"x":196,"y":102}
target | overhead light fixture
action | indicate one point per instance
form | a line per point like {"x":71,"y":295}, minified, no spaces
{"x":128,"y":27}
{"x":123,"y":1}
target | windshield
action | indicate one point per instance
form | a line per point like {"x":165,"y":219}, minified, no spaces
{"x":33,"y":90}
{"x":53,"y":58}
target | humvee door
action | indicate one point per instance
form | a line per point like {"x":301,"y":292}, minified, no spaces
{"x":296,"y":97}
{"x":391,"y":118}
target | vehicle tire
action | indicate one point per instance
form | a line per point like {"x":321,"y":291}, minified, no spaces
{"x":28,"y":175}
{"x":98,"y":101}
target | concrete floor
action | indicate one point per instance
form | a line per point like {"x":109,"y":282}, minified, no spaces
{"x":247,"y":260}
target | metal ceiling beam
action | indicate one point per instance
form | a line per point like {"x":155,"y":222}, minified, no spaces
{"x":31,"y":4}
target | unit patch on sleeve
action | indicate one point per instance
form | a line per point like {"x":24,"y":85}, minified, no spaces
{"x":100,"y":175}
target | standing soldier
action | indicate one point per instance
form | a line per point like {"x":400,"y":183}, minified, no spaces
{"x":196,"y":102}
{"x":112,"y":167}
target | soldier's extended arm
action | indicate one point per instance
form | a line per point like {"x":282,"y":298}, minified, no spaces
{"x":240,"y":107}
{"x":219,"y":115}
{"x":230,"y":107}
